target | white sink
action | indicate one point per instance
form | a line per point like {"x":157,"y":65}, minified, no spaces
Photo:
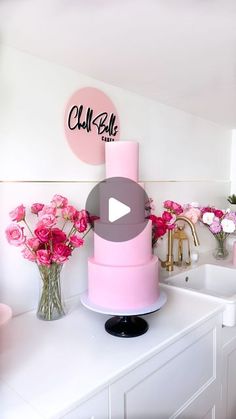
{"x":214,"y":280}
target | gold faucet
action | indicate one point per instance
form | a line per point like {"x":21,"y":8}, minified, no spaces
{"x":182,"y":238}
{"x":169,"y":262}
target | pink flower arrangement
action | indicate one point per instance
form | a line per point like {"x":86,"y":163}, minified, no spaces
{"x":60,"y":228}
{"x":221,"y":223}
{"x":173,"y":207}
{"x":192,"y":211}
{"x":165,"y":222}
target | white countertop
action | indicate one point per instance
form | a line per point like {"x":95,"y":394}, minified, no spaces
{"x":48,"y":368}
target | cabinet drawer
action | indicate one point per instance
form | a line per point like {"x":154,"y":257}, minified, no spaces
{"x":165,"y":385}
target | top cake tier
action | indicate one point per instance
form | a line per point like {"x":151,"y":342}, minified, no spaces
{"x":122,"y":159}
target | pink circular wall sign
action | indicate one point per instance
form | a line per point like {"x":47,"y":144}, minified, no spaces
{"x":90,"y":120}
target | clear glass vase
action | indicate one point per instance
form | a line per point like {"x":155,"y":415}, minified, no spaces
{"x":220,"y":251}
{"x":50,"y":304}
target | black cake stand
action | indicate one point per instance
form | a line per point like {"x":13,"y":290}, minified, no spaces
{"x":126,"y":324}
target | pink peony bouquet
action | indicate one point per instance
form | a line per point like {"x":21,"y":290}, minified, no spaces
{"x":165,"y":222}
{"x":60,"y":228}
{"x":221,"y":223}
{"x":192,"y":212}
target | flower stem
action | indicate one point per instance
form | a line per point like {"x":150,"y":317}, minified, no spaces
{"x":27,"y":225}
{"x":64,"y":225}
{"x":85,"y":234}
{"x":71,"y":231}
{"x":50,"y":304}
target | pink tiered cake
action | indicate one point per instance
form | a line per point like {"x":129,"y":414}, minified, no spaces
{"x":123,"y":275}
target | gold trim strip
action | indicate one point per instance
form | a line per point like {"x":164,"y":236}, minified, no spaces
{"x":96,"y":181}
{"x":49,"y":181}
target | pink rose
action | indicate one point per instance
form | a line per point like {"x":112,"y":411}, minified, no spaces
{"x":47,"y":209}
{"x":160,"y":228}
{"x":82,"y":214}
{"x":48,"y":220}
{"x":168,"y":217}
{"x":15,"y":235}
{"x":28,"y":254}
{"x":153,"y":218}
{"x":58,"y":236}
{"x":33,"y":243}
{"x":76,"y":241}
{"x":69,"y":213}
{"x":59,"y":201}
{"x":61,"y":253}
{"x":177,"y":208}
{"x":170,"y":226}
{"x":81,"y":224}
{"x":18,"y":214}
{"x":168,"y":204}
{"x":43,"y":257}
{"x":42,"y":233}
{"x":193,"y":214}
{"x":173,"y":206}
{"x":218,"y":213}
{"x":35,"y":208}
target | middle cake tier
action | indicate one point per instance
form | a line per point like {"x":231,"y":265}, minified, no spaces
{"x":123,"y":253}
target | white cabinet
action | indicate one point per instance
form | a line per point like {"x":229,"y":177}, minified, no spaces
{"x":181,"y":381}
{"x":95,"y":408}
{"x":171,"y":371}
{"x":229,"y":377}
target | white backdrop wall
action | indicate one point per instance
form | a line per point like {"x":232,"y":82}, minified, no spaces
{"x":233,"y":163}
{"x":182,"y":157}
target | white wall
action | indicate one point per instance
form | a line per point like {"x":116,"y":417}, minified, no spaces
{"x":182,"y":157}
{"x":233,"y":164}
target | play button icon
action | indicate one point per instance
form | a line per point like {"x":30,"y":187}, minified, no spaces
{"x":117,"y":210}
{"x":119,"y":203}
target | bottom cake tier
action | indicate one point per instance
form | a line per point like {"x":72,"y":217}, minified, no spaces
{"x":123,"y":287}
